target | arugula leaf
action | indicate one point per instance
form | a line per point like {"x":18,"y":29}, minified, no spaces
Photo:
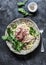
{"x":13,"y":26}
{"x":32,"y":31}
{"x":24,"y":12}
{"x":9,"y":31}
{"x":4,"y":37}
{"x":21,"y":3}
{"x":17,"y":45}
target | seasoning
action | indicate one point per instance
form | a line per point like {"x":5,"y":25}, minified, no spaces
{"x":32,"y":6}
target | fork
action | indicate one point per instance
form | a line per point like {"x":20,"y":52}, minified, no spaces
{"x":42,"y":46}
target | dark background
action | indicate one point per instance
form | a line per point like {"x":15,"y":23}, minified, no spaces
{"x":8,"y":13}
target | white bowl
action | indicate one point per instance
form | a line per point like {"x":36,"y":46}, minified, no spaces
{"x":36,"y":43}
{"x":32,"y":4}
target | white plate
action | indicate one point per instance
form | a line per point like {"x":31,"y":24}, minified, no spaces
{"x":36,"y":43}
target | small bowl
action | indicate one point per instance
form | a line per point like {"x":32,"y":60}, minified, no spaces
{"x":32,"y":7}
